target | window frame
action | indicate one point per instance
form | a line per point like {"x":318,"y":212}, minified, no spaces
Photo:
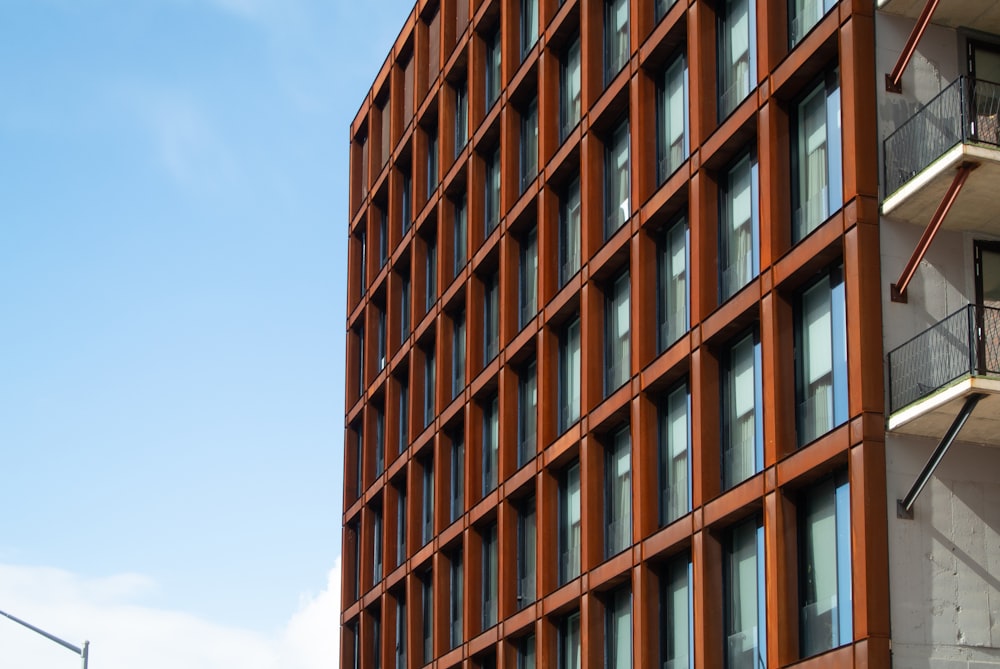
{"x":618,"y":493}
{"x":666,"y":161}
{"x":617,"y":335}
{"x":732,"y":401}
{"x":819,"y":206}
{"x":674,"y":475}
{"x":731,"y":257}
{"x":617,"y":179}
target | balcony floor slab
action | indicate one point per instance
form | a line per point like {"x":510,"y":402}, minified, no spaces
{"x":976,"y":206}
{"x":933,"y":415}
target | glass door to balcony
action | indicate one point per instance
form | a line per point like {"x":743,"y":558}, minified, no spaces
{"x":984,"y":71}
{"x":987,"y":266}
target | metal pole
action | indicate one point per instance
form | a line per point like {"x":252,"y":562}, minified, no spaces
{"x":82,"y":652}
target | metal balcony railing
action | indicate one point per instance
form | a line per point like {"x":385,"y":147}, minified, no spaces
{"x":968,"y":110}
{"x":965,"y":344}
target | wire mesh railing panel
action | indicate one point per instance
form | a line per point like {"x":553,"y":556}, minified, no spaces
{"x":966,"y":343}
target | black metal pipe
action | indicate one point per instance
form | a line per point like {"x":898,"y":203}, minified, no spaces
{"x":904,"y":506}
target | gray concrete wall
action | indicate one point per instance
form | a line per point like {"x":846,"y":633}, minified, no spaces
{"x":945,"y":562}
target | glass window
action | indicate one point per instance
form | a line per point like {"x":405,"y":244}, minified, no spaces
{"x":618,"y":629}
{"x":455,"y":601}
{"x":676,"y":614}
{"x":380,"y":337}
{"x":359,"y":459}
{"x":376,"y":546}
{"x":492,"y":191}
{"x":460,"y":235}
{"x":529,"y":144}
{"x":430,"y":272}
{"x":362,"y":263}
{"x":569,"y":90}
{"x":383,"y":237}
{"x":377,"y":640}
{"x":821,"y":357}
{"x":616,"y":43}
{"x":569,"y":642}
{"x":429,"y":370}
{"x":491,"y":325}
{"x":742,"y":427}
{"x":569,"y":232}
{"x":617,"y":358}
{"x":744,"y":598}
{"x":458,"y":355}
{"x":671,"y":113}
{"x":400,"y":631}
{"x":406,"y":209}
{"x":401,"y":522}
{"x":672,"y":304}
{"x":427,"y":508}
{"x":492,"y":68}
{"x":491,"y":426}
{"x":527,"y":412}
{"x":489,"y":576}
{"x":404,"y":307}
{"x":660,"y":9}
{"x":361,"y":360}
{"x":529,"y":25}
{"x":457,"y":476}
{"x":737,"y":59}
{"x":739,"y":241}
{"x":379,"y":440}
{"x":616,"y":181}
{"x":675,"y":444}
{"x":526,"y":554}
{"x":528,"y":277}
{"x":618,"y":493}
{"x":355,"y":585}
{"x":427,"y":615}
{"x":569,"y":523}
{"x":825,"y":566}
{"x":526,"y":652}
{"x":816,"y":157}
{"x":404,"y":413}
{"x":432,"y":163}
{"x":461,"y":117}
{"x":569,"y":375}
{"x":803,"y":15}
{"x":352,"y":630}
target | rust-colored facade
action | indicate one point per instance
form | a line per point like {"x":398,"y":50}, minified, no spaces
{"x":567,"y":320}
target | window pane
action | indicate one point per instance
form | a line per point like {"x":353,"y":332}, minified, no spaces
{"x":675,"y":436}
{"x":617,"y":359}
{"x":490,"y":444}
{"x":738,"y":232}
{"x":821,"y":358}
{"x":616,"y":42}
{"x":457,"y":476}
{"x":461,"y":117}
{"x":672,"y":292}
{"x":527,"y":403}
{"x":569,"y":375}
{"x":675,"y":616}
{"x":736,"y":57}
{"x":825,"y":567}
{"x":460,"y":236}
{"x":526,"y":555}
{"x":618,"y":494}
{"x":672,"y":138}
{"x":529,"y":144}
{"x":492,"y":191}
{"x":569,"y":233}
{"x":741,"y":453}
{"x":458,"y":355}
{"x":744,"y":599}
{"x":529,"y":25}
{"x":616,"y":181}
{"x":569,"y":90}
{"x":618,"y":630}
{"x":489,"y":576}
{"x":528,"y":279}
{"x":569,"y":524}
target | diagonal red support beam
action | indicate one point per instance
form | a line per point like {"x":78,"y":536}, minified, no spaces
{"x":894,"y":80}
{"x":897,"y":291}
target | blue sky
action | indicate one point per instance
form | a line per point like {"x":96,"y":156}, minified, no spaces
{"x":172,"y":249}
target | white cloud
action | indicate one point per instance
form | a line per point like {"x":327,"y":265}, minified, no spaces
{"x":125,"y":633}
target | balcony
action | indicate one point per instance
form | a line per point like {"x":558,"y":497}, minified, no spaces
{"x":960,"y":125}
{"x":982,"y":14}
{"x":932,"y":375}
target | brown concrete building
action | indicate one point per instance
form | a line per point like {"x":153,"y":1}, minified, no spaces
{"x":614,"y":363}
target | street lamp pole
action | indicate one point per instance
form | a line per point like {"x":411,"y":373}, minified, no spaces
{"x":82,"y":652}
